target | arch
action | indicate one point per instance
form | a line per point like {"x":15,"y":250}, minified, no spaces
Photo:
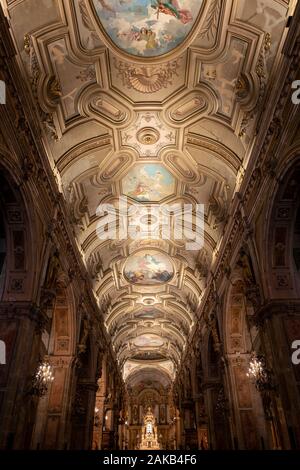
{"x":240,"y":337}
{"x":280,"y":266}
{"x":18,"y":236}
{"x":58,"y":347}
{"x":18,"y":268}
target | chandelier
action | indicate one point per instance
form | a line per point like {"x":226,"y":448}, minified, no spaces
{"x":259,"y":373}
{"x":42,"y":379}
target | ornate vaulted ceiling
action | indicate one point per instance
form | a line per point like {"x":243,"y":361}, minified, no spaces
{"x":158,"y":102}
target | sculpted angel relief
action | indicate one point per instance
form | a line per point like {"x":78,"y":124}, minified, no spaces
{"x":147,"y":28}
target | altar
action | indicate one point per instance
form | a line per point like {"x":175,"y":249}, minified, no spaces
{"x":149,"y":433}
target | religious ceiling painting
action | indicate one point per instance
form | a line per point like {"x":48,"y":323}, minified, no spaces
{"x":149,"y":182}
{"x":148,"y":314}
{"x":149,"y":356}
{"x":148,"y":341}
{"x":147,"y":28}
{"x":148,"y":268}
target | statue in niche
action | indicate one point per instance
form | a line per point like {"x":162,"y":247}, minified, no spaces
{"x":162,"y":414}
{"x":84,"y":335}
{"x":251,"y":288}
{"x":52,"y":271}
{"x":245,"y":264}
{"x":279,"y":254}
{"x":135,"y":414}
{"x":212,"y":324}
{"x":99,"y":364}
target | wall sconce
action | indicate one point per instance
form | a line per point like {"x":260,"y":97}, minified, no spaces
{"x":42,"y":379}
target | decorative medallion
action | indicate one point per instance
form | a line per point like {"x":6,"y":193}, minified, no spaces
{"x":149,"y":182}
{"x":148,"y":267}
{"x":148,"y":136}
{"x":147,"y":28}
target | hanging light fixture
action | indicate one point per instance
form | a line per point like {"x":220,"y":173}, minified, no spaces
{"x":259,"y":373}
{"x":43,"y":378}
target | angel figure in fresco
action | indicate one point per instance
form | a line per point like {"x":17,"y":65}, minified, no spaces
{"x":150,"y":36}
{"x":142,"y":34}
{"x":172,"y":7}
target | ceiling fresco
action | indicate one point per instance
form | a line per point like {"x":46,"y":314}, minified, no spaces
{"x":148,"y":356}
{"x":147,"y":28}
{"x":151,"y":267}
{"x":150,"y":182}
{"x":158,"y":101}
{"x":148,"y":341}
{"x":149,"y":314}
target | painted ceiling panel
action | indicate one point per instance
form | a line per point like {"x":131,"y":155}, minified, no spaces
{"x":147,"y":28}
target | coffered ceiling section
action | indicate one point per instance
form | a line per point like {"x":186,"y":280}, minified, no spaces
{"x":156,"y":103}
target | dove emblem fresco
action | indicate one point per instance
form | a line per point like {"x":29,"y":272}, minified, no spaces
{"x":147,"y":28}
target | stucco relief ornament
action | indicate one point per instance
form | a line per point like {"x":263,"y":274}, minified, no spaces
{"x":53,"y":88}
{"x":82,"y":345}
{"x":261,"y":71}
{"x":146,"y":78}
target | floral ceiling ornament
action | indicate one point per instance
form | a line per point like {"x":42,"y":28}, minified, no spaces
{"x":148,"y":134}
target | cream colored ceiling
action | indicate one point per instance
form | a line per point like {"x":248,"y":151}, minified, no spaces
{"x":202,"y":103}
